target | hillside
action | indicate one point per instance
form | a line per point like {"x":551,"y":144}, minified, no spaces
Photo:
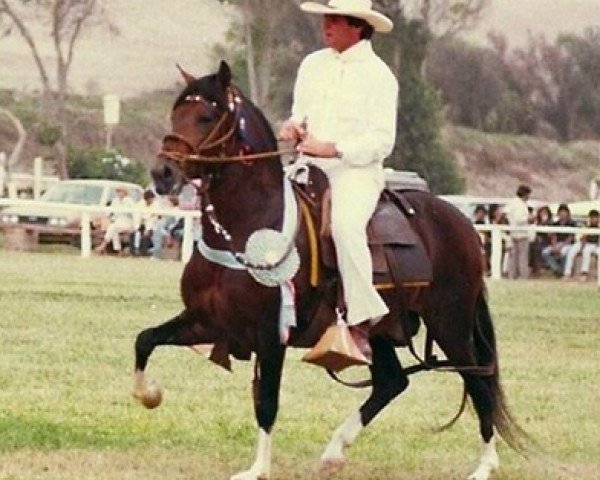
{"x":493,"y":165}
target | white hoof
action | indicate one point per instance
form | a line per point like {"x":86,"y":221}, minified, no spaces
{"x":483,"y":472}
{"x":251,"y":475}
{"x":331,"y":466}
{"x":148,"y":392}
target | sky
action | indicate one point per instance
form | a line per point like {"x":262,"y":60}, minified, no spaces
{"x":549,"y":17}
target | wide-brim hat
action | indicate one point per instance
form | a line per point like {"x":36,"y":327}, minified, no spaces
{"x":353,"y":8}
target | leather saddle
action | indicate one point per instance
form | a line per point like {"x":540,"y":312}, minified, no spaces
{"x":398,"y":254}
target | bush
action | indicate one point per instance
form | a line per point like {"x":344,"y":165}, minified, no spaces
{"x":109,"y":164}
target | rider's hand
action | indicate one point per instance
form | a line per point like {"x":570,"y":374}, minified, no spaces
{"x":316,"y":148}
{"x":292,"y":131}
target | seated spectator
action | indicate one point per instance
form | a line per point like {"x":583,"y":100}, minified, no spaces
{"x":541,"y":240}
{"x":141,"y":237}
{"x":587,"y":245}
{"x":498,"y":217}
{"x":162,"y":232}
{"x":120,"y":222}
{"x":560,"y":243}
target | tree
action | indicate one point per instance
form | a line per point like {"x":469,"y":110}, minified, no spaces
{"x":67,"y":20}
{"x":419,"y":145}
{"x":267,"y":52}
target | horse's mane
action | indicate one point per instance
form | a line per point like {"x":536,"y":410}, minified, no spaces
{"x":208,"y":88}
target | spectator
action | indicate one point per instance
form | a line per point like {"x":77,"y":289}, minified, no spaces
{"x":161,"y":234}
{"x":560,"y":243}
{"x":120,"y":222}
{"x":541,"y":240}
{"x":498,"y":217}
{"x":587,"y":245}
{"x":141,"y":237}
{"x":480,"y":217}
{"x":518,"y":215}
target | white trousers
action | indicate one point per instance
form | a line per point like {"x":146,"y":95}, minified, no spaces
{"x":587,"y":249}
{"x":354,"y":195}
{"x":119,"y":225}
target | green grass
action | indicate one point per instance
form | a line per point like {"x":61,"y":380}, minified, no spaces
{"x":68,"y":326}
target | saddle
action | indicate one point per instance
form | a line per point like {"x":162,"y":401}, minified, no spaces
{"x":398,"y":255}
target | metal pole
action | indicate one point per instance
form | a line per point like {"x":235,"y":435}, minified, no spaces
{"x":37,"y":177}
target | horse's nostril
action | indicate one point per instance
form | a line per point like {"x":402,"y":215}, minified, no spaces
{"x":167,"y":172}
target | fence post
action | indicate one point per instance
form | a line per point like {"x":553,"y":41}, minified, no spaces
{"x":496,"y":256}
{"x":188,"y":239}
{"x":86,"y":235}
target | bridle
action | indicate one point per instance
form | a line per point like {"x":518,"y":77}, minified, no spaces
{"x":213,"y":140}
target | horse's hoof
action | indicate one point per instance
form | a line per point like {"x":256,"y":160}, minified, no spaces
{"x":331,"y":466}
{"x":250,"y":475}
{"x":150,"y":397}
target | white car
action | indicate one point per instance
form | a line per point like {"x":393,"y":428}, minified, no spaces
{"x":56,"y":225}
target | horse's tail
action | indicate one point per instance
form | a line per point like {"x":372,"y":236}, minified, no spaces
{"x":487,"y":354}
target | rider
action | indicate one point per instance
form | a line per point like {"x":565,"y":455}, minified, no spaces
{"x":344,"y":120}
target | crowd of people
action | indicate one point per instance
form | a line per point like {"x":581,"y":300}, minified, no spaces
{"x":147,"y":232}
{"x":527,"y":253}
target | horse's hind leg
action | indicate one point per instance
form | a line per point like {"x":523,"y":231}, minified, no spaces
{"x":182,"y":330}
{"x":484,"y":390}
{"x":389,"y":380}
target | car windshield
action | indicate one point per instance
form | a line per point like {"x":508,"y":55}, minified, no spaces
{"x":73,"y":193}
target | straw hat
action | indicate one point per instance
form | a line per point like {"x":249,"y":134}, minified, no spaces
{"x":353,"y":8}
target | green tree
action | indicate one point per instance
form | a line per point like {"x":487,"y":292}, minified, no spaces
{"x":109,"y":164}
{"x":419,"y":145}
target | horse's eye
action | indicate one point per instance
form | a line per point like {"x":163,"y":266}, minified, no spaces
{"x":205,"y":118}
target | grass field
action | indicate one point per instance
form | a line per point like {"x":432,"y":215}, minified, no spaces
{"x":67,"y":327}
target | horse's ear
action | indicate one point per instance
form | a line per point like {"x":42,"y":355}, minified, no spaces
{"x":224,"y":75}
{"x":186,"y":76}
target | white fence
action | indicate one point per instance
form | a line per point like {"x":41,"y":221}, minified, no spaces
{"x":86,"y":210}
{"x":497,"y":232}
{"x":189,"y":216}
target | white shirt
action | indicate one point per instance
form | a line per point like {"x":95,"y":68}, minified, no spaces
{"x":348,"y":98}
{"x":518,"y":215}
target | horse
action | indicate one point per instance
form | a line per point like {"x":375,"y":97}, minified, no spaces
{"x":220,"y":137}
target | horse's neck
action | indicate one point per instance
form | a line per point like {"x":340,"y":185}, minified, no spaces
{"x":247,"y":199}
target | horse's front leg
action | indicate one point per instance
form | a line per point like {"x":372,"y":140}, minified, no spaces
{"x":185,"y":330}
{"x":389,"y":380}
{"x":267,"y":379}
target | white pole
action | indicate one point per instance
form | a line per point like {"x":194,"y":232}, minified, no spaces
{"x":86,"y":235}
{"x":37,"y":177}
{"x":2,"y":172}
{"x":188,"y":239}
{"x":496,"y":259}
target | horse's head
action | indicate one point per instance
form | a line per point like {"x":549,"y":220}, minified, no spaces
{"x":204,"y":120}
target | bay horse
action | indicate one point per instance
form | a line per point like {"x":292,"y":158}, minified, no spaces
{"x":219,"y":136}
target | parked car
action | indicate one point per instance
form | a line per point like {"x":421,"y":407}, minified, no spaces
{"x":57,"y":225}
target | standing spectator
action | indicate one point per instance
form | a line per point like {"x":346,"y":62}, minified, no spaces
{"x":141,"y":237}
{"x":587,"y":245}
{"x":541,"y":240}
{"x":518,"y":215}
{"x":560,"y":243}
{"x":120,"y":222}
